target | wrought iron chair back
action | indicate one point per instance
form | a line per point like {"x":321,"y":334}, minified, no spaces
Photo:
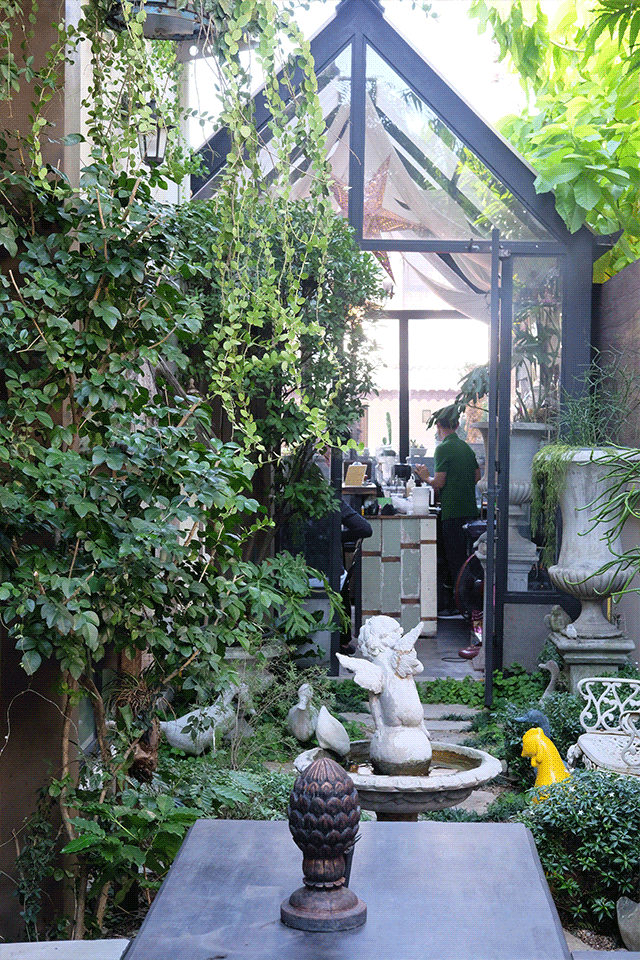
{"x":611,"y":740}
{"x":608,"y":699}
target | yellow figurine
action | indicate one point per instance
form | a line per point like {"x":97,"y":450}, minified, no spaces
{"x":544,"y":756}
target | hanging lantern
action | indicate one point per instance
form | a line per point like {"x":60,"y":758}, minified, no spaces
{"x":164,"y":19}
{"x":153,"y":140}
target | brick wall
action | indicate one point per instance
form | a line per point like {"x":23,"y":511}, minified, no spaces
{"x":616,"y":327}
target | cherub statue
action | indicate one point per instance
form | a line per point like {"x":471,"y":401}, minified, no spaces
{"x":400,"y":744}
{"x":558,"y":620}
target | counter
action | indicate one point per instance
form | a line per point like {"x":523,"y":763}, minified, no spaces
{"x":399,"y":571}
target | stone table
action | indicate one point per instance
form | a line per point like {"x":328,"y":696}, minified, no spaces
{"x":434,"y":891}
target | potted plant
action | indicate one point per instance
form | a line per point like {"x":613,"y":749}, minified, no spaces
{"x":416,"y":449}
{"x":580,"y":474}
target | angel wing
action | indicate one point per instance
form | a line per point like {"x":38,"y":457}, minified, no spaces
{"x":366,"y":674}
{"x":409,"y":639}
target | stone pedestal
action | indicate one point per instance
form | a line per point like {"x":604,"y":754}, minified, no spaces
{"x":591,"y":656}
{"x":524,"y":443}
{"x":522,"y":553}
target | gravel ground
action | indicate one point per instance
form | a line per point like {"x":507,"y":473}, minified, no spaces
{"x":595,"y":941}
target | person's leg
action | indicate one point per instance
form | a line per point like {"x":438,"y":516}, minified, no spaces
{"x":455,"y":547}
{"x":443,"y":578}
{"x":345,"y":634}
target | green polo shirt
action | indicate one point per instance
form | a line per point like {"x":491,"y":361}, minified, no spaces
{"x":458,"y":496}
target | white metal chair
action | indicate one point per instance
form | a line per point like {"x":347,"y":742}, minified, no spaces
{"x":609,"y":716}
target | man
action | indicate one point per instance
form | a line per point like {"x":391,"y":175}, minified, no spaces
{"x":455,"y":478}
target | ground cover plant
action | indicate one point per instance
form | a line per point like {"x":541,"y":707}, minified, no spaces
{"x":512,"y":684}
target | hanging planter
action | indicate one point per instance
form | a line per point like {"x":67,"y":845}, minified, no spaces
{"x":166,"y":19}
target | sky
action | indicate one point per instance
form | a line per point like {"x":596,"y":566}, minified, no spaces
{"x":451,"y":43}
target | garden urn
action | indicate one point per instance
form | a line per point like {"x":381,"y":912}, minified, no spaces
{"x":588,"y":568}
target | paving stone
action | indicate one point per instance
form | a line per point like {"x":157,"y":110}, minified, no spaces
{"x":364,"y":718}
{"x":274,"y":766}
{"x":436,"y":710}
{"x":477,"y":802}
{"x":64,"y":950}
{"x":454,"y":726}
{"x":574,"y":943}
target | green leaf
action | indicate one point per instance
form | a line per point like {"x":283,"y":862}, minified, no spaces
{"x":8,"y":237}
{"x":30,"y":662}
{"x":85,"y":507}
{"x":110,"y":314}
{"x":72,"y":138}
{"x":81,"y":843}
{"x":587,"y":193}
{"x":564,"y":173}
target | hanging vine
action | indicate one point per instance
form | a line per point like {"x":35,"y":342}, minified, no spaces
{"x":102,"y":467}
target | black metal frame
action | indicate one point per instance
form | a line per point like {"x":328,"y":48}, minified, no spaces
{"x":361,"y":23}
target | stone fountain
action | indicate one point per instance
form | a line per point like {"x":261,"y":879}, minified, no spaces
{"x":401,"y":772}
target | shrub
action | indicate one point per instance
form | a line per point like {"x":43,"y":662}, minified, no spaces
{"x":587,"y":832}
{"x":505,"y":807}
{"x":269,"y":793}
{"x":350,"y":698}
{"x":203,"y":785}
{"x":486,"y":733}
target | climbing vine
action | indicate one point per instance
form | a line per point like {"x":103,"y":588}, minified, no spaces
{"x":122,"y":514}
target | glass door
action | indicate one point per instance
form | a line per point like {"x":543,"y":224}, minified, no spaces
{"x":497,"y":458}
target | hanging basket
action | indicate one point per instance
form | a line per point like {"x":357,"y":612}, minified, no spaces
{"x":165,"y":19}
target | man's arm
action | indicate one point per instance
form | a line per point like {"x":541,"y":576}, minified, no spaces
{"x":478,"y":475}
{"x":437,"y":481}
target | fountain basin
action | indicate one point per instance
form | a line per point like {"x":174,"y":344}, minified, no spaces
{"x":455,"y":772}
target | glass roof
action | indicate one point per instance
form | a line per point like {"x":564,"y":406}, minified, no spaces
{"x":421,"y":181}
{"x":461,"y":282}
{"x":334,"y":93}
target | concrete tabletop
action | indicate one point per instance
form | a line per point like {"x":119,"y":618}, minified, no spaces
{"x":434,"y":891}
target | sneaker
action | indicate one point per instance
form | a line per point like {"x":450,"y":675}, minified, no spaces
{"x":450,"y":613}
